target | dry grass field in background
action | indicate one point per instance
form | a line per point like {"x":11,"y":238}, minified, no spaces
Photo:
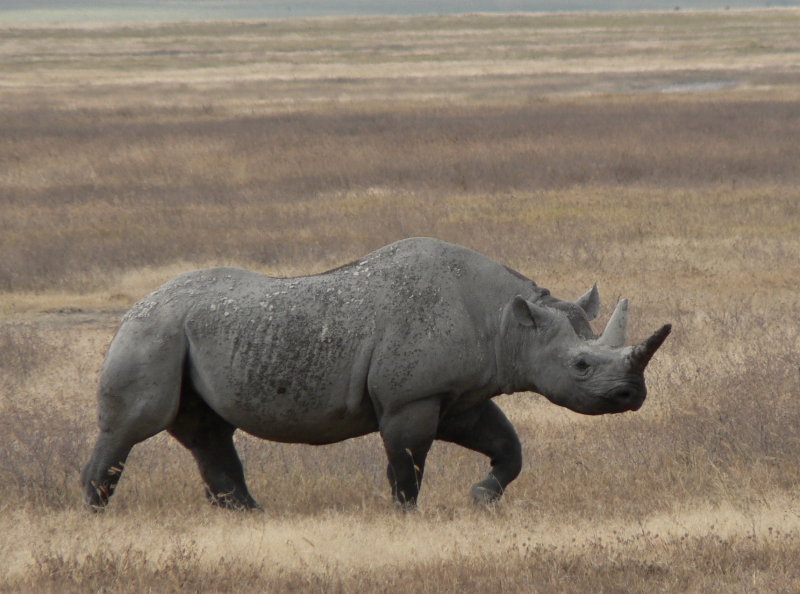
{"x":653,"y":153}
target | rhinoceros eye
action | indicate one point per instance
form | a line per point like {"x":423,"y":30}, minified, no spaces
{"x":581,"y":365}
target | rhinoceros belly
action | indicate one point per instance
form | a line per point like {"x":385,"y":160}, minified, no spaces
{"x":291,"y":378}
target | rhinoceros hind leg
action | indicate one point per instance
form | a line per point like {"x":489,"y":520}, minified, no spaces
{"x":120,"y":430}
{"x":137,"y":398}
{"x":407,"y":437}
{"x":487,"y":430}
{"x":102,"y":473}
{"x":210,"y":440}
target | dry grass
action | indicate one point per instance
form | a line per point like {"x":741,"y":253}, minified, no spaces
{"x":297,"y":555}
{"x":315,"y":189}
{"x":552,"y":152}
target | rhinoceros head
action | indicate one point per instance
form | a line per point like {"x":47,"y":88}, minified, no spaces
{"x":555,"y":353}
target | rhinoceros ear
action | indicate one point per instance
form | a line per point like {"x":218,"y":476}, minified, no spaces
{"x":529,"y":314}
{"x":589,"y":302}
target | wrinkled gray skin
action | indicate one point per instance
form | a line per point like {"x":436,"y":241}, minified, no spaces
{"x":412,"y":341}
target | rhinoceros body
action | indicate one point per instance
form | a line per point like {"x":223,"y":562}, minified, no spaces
{"x":413,"y":340}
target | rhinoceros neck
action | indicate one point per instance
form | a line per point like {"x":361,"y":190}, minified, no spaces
{"x":511,"y":348}
{"x":504,"y":378}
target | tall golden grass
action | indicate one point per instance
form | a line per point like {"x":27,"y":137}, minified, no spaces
{"x":129,"y":155}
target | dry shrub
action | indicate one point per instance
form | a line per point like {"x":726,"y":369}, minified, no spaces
{"x":41,"y":444}
{"x":22,"y":351}
{"x":41,"y":453}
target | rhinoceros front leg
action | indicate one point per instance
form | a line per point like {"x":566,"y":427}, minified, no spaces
{"x":487,"y":430}
{"x":408,"y":433}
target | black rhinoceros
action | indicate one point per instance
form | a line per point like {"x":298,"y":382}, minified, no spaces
{"x":413,"y":340}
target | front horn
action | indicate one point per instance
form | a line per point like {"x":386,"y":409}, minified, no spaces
{"x":642,"y":353}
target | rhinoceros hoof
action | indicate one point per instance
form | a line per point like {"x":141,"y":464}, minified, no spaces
{"x":95,"y":507}
{"x":233,"y":503}
{"x":486,"y":491}
{"x":406,"y":506}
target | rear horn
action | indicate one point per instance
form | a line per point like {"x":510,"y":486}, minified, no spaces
{"x":614,"y":334}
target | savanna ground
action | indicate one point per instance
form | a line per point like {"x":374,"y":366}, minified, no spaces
{"x":656,"y":154}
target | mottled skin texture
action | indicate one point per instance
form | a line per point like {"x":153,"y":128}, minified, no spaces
{"x":412,"y":341}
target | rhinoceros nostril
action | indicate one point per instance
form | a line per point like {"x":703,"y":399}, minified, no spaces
{"x":624,"y":394}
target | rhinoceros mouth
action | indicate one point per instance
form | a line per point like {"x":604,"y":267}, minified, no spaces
{"x":626,"y":398}
{"x":619,"y":401}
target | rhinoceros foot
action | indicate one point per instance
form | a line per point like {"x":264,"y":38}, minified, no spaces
{"x":486,"y":491}
{"x":233,"y":501}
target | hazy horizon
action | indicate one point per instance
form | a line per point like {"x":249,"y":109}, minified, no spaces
{"x":22,"y":11}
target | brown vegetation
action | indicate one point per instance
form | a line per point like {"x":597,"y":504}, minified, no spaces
{"x":87,"y":195}
{"x":120,"y":168}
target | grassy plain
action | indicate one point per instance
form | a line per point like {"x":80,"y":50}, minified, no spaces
{"x":653,"y":153}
